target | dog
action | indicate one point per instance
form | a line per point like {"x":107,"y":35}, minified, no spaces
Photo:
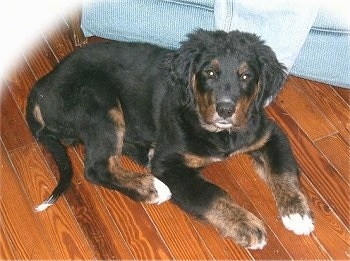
{"x":174,"y":111}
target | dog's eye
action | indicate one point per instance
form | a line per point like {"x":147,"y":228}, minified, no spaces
{"x":245,"y":77}
{"x":210,"y":74}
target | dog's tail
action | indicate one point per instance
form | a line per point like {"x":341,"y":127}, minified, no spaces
{"x":55,"y":147}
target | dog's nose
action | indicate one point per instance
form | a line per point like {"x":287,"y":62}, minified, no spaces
{"x":225,"y":109}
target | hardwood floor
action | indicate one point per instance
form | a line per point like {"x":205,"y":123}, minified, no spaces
{"x":91,"y":222}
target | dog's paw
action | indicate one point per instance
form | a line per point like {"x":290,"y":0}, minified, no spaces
{"x":299,"y":224}
{"x":161,"y":192}
{"x":235,"y":222}
{"x":296,"y":214}
{"x":249,"y":233}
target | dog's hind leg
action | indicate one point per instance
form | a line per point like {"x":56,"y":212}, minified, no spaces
{"x":139,"y":187}
{"x":43,"y":135}
{"x":102,"y":163}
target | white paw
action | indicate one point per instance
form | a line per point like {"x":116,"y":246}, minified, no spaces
{"x":163,"y":191}
{"x":300,"y":225}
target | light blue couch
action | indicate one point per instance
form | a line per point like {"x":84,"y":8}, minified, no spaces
{"x":312,"y":41}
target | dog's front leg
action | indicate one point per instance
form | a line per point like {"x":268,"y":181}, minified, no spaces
{"x":275,"y":163}
{"x":210,"y":203}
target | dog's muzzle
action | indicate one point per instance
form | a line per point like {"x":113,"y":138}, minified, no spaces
{"x":224,"y":111}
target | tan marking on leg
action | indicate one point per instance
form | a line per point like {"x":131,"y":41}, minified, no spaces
{"x":141,"y":184}
{"x":195,"y":161}
{"x":38,"y":116}
{"x":285,"y":188}
{"x":292,"y":204}
{"x":288,"y":194}
{"x":233,"y":221}
{"x":117,"y":116}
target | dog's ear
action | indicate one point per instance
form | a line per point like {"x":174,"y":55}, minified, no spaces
{"x":181,"y":64}
{"x":272,"y":75}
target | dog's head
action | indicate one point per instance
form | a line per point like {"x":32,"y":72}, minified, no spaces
{"x":228,"y":76}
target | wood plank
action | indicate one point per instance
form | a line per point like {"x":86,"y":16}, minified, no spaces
{"x":337,"y":153}
{"x":344,"y":93}
{"x":135,"y":226}
{"x":19,"y":82}
{"x":333,"y":235}
{"x":333,"y":107}
{"x":59,"y":222}
{"x":178,"y":232}
{"x":12,"y":123}
{"x":40,"y":59}
{"x":304,"y":111}
{"x":6,"y":252}
{"x":22,"y":228}
{"x":93,"y":217}
{"x":59,"y":40}
{"x":317,"y":169}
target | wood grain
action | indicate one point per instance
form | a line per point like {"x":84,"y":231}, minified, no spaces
{"x":13,"y":124}
{"x":6,"y":252}
{"x":333,"y":107}
{"x":135,"y":226}
{"x":59,"y":40}
{"x":59,"y":221}
{"x":326,"y":224}
{"x":342,"y":92}
{"x":19,"y":82}
{"x":23,"y":229}
{"x":338,"y":154}
{"x":93,"y":217}
{"x":304,"y":111}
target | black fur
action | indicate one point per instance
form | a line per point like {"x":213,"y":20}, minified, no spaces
{"x":199,"y":104}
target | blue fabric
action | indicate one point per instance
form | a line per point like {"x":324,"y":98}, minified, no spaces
{"x":161,"y":22}
{"x":325,"y":57}
{"x":284,"y":25}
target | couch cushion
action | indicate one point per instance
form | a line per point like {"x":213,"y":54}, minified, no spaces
{"x":161,"y":22}
{"x":325,"y":57}
{"x":325,"y":54}
{"x":332,"y":18}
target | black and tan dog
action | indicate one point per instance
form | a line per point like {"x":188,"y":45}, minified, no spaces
{"x":175,"y":111}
